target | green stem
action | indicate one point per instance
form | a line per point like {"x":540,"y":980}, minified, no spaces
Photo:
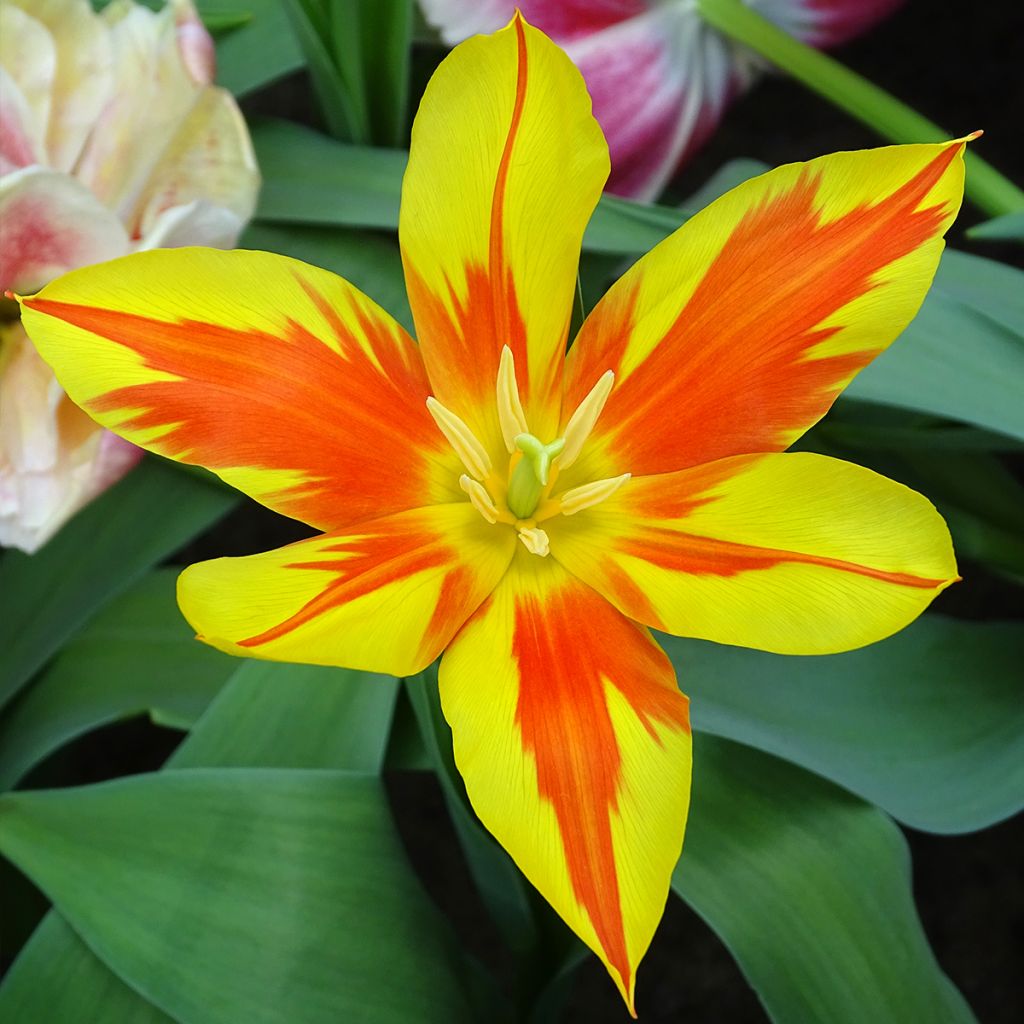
{"x":986,"y":187}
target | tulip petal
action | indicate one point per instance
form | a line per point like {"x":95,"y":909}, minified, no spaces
{"x":574,"y":743}
{"x":793,"y":553}
{"x":282,"y":378}
{"x":491,"y":257}
{"x":660,"y":84}
{"x":81,"y":82}
{"x":382,"y":596}
{"x":737,"y":332}
{"x":824,"y":23}
{"x":52,"y":223}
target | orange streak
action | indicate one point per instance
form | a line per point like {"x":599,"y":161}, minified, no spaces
{"x":369,"y":562}
{"x":736,"y":372}
{"x":356,"y":431}
{"x":707,"y":556}
{"x":567,"y":646}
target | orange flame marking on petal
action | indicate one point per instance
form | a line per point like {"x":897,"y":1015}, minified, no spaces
{"x":373,"y":561}
{"x":355,"y":427}
{"x":736,"y":371}
{"x":563,"y":716}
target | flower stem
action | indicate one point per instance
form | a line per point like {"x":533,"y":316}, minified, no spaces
{"x":986,"y":187}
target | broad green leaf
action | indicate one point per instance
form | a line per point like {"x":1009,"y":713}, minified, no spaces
{"x":243,"y":894}
{"x":46,"y":597}
{"x":294,"y":716}
{"x":289,"y":716}
{"x":1007,"y":228}
{"x":963,"y":355}
{"x":256,"y":45}
{"x":928,"y":725}
{"x":137,"y":656}
{"x":809,"y":888}
{"x":370,"y":261}
{"x":58,"y":980}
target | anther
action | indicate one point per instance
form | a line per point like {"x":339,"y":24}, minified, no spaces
{"x":535,"y":540}
{"x":579,"y":498}
{"x":582,"y":421}
{"x":472,"y":453}
{"x":481,"y":500}
{"x":510,"y":409}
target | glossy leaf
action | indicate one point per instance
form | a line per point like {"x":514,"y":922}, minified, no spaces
{"x":809,"y":888}
{"x":1007,"y":228}
{"x":46,"y":597}
{"x":928,"y":725}
{"x":283,"y":715}
{"x":313,"y":908}
{"x":137,"y":656}
{"x":255,"y":43}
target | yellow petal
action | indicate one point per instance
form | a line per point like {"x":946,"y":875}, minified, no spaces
{"x":792,"y":553}
{"x":574,"y":744}
{"x":383,"y":596}
{"x":505,"y":168}
{"x":737,"y":333}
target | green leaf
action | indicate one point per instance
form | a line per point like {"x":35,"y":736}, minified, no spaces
{"x":137,"y":656}
{"x":1007,"y":228}
{"x":242,"y":894}
{"x":342,"y":106}
{"x":288,"y":716}
{"x":46,"y":597}
{"x":370,"y":261}
{"x":385,"y":37}
{"x":963,"y":355}
{"x":257,"y":44}
{"x":57,"y":979}
{"x":928,"y":725}
{"x":810,"y":890}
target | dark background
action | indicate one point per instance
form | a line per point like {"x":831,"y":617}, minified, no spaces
{"x":959,"y":65}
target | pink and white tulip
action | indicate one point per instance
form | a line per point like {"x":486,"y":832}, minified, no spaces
{"x":659,"y":76}
{"x":112,"y":139}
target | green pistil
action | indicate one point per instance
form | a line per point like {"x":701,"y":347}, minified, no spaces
{"x":530,"y":476}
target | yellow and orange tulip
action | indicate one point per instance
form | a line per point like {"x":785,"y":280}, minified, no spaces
{"x":529,"y":515}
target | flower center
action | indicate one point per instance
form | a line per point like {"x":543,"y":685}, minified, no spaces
{"x":522,"y":497}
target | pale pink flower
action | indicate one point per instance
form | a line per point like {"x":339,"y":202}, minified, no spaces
{"x":112,"y":139}
{"x":659,"y":76}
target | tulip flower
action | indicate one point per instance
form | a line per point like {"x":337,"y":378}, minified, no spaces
{"x":532,"y":515}
{"x":660,"y":77}
{"x":112,"y":139}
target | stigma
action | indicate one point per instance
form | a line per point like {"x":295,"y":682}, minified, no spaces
{"x":520,"y":494}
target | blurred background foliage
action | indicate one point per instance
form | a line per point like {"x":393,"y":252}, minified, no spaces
{"x":215,"y":837}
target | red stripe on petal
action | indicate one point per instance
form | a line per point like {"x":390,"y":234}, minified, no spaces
{"x":563,"y":716}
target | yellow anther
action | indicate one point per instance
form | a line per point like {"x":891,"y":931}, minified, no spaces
{"x":582,"y":421}
{"x":472,"y":453}
{"x":535,"y":540}
{"x":591,"y":494}
{"x":480,"y":498}
{"x":510,"y":409}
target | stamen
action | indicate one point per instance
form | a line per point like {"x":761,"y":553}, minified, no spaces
{"x":583,"y":419}
{"x":510,"y":409}
{"x":536,"y":540}
{"x":480,"y":498}
{"x":472,"y":453}
{"x":579,"y":498}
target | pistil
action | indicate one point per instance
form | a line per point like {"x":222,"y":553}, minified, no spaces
{"x":531,"y":474}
